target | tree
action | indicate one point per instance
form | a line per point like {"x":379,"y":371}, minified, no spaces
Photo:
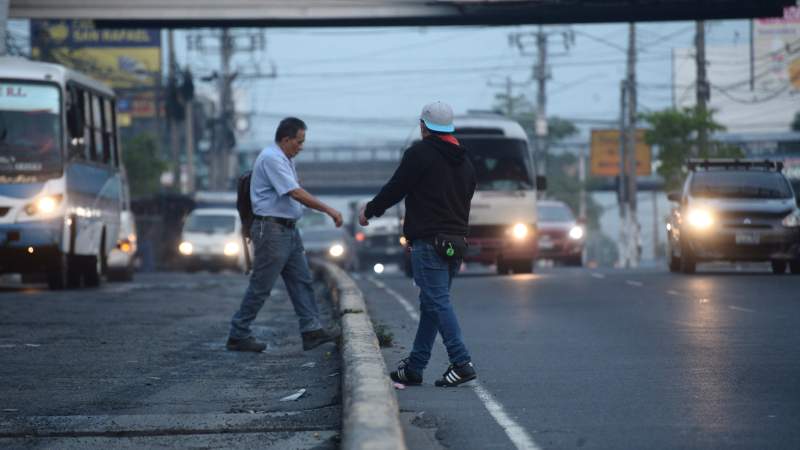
{"x":796,"y":123}
{"x":144,"y":165}
{"x":675,"y":134}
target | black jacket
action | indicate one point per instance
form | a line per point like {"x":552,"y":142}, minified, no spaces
{"x":438,"y":181}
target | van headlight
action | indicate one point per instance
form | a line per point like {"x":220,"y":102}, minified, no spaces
{"x":700,"y":218}
{"x":336,"y":250}
{"x":186,"y":248}
{"x":576,"y":233}
{"x":45,"y":205}
{"x":231,"y":249}
{"x":792,"y":220}
{"x":520,"y":231}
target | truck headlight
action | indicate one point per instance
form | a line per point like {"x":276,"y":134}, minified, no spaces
{"x":792,"y":220}
{"x":700,"y":219}
{"x":231,"y":249}
{"x":186,"y":248}
{"x":520,"y":231}
{"x":576,"y":232}
{"x":336,"y":250}
{"x":44,"y":205}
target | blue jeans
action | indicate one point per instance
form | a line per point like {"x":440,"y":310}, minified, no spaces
{"x":434,"y":276}
{"x":278,"y":251}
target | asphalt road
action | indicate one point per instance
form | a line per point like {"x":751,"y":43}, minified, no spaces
{"x":143,"y":365}
{"x":576,"y":358}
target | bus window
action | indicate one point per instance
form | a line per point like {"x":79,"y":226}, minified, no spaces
{"x":109,"y":156}
{"x":97,"y":130}
{"x":75,"y":116}
{"x":88,"y":139}
{"x":30,"y":129}
{"x":114,"y":140}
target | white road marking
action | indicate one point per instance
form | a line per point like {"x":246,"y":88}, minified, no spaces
{"x":598,"y":275}
{"x":634,"y":283}
{"x":738,"y":308}
{"x":671,"y":292}
{"x":518,"y":436}
{"x":400,"y":299}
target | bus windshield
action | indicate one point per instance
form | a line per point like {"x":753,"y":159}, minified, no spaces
{"x":501,"y":164}
{"x":30,"y":129}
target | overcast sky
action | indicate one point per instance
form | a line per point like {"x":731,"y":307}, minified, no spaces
{"x":365,"y":85}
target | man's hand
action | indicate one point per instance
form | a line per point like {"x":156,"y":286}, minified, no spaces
{"x":336,"y":216}
{"x":362,"y":218}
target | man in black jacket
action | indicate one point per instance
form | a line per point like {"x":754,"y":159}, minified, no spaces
{"x":437,"y":181}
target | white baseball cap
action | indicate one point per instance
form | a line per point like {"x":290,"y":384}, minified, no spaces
{"x":438,"y":116}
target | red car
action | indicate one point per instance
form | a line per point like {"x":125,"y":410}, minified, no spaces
{"x":561,"y":237}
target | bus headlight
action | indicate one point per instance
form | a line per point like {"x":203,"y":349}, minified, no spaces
{"x":520,"y":231}
{"x":186,"y":248}
{"x":700,"y":219}
{"x":792,"y":220}
{"x":44,"y":205}
{"x":336,"y":250}
{"x":231,"y":249}
{"x":576,"y":232}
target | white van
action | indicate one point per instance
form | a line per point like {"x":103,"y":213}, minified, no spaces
{"x":503,"y":223}
{"x":212,"y":240}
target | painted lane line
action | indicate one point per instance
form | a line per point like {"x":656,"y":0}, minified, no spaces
{"x":599,"y":276}
{"x":671,"y":292}
{"x":739,"y":308}
{"x":634,"y":283}
{"x":518,"y":436}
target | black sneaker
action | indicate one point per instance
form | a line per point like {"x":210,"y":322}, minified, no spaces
{"x":457,"y":374}
{"x":313,"y":339}
{"x":405,"y":375}
{"x":248,"y":344}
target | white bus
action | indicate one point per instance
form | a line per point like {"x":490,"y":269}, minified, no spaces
{"x":61,"y":187}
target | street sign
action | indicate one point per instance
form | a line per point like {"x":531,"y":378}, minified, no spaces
{"x":605,"y":154}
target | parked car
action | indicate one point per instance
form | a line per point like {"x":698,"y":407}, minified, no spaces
{"x":323,"y":240}
{"x":561,"y":237}
{"x":212,"y":240}
{"x":122,"y":258}
{"x":734,"y":210}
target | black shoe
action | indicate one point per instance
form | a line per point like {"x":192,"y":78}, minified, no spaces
{"x":405,"y":375}
{"x":457,"y":374}
{"x":313,"y":339}
{"x":248,"y":344}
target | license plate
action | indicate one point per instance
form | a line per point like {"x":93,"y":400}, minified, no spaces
{"x":747,"y":238}
{"x":546,"y":244}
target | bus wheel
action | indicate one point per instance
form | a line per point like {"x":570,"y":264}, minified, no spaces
{"x":63,"y":273}
{"x":94,"y":267}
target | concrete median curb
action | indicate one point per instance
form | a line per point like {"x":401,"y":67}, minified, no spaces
{"x":370,"y":415}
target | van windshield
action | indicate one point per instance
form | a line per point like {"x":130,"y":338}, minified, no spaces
{"x":740,"y":184}
{"x":501,"y":164}
{"x":211,"y":224}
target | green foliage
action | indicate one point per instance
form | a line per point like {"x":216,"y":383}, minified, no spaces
{"x":143,"y":164}
{"x":796,"y":123}
{"x":675,"y":134}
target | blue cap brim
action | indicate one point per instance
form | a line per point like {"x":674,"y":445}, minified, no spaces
{"x":439,"y":128}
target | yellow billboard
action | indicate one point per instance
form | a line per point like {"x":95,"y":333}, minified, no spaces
{"x":605,"y":159}
{"x":124,"y":59}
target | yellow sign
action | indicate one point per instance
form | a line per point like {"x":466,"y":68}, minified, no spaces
{"x":122,"y":58}
{"x":605,"y":158}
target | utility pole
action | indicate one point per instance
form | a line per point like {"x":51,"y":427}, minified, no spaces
{"x":190,"y":145}
{"x":702,"y":89}
{"x":3,"y":26}
{"x":174,"y":145}
{"x":622,"y":186}
{"x":634,"y":245}
{"x":541,"y":73}
{"x":224,"y":124}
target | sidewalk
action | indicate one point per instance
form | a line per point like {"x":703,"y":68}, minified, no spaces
{"x":143,"y":364}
